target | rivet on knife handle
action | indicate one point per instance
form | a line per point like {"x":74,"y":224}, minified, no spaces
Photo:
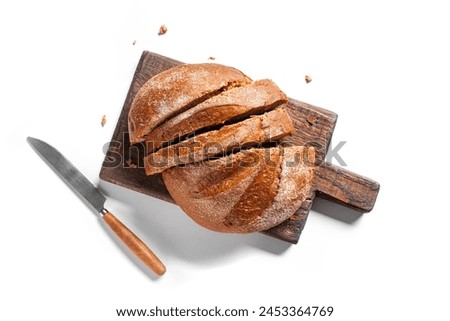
{"x":134,"y":243}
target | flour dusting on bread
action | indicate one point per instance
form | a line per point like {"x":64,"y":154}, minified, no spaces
{"x":215,"y":138}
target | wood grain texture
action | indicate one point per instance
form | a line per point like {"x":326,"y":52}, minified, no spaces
{"x":123,"y":164}
{"x":314,"y":126}
{"x":135,"y":244}
{"x":345,"y":187}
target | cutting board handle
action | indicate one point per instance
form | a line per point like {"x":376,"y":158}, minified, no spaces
{"x":344,"y":187}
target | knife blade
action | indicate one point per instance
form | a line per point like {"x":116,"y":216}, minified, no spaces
{"x":96,"y":200}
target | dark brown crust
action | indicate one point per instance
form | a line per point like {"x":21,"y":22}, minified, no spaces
{"x":268,"y":127}
{"x":231,"y":105}
{"x":249,"y":191}
{"x":175,"y":90}
{"x":258,"y":196}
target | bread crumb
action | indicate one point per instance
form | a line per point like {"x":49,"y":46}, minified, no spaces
{"x":211,"y":58}
{"x":308,"y":79}
{"x":103,"y":120}
{"x":162,"y":30}
{"x":312,"y":120}
{"x":134,"y":42}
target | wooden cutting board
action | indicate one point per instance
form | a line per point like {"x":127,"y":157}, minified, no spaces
{"x":123,"y":164}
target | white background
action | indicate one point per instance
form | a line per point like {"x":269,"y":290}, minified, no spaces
{"x":382,"y":67}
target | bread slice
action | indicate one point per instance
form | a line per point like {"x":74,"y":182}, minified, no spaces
{"x":270,"y":126}
{"x":176,"y":90}
{"x":249,"y":191}
{"x":234,"y":104}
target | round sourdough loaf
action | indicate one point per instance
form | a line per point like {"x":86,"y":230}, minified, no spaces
{"x":186,"y":110}
{"x":250,"y":191}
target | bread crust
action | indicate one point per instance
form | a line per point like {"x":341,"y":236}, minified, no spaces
{"x":175,"y":90}
{"x":231,"y":105}
{"x":250,"y":191}
{"x":268,"y":127}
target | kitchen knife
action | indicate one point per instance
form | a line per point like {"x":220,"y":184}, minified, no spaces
{"x":92,"y":196}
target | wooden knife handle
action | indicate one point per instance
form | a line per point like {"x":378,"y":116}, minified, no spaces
{"x":135,"y":244}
